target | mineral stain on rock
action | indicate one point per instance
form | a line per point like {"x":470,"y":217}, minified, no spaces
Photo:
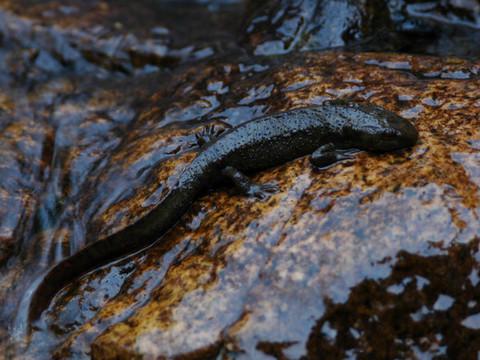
{"x":376,"y":257}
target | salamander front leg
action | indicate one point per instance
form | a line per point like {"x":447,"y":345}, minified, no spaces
{"x":210,"y":133}
{"x":248,"y":187}
{"x":328,"y":154}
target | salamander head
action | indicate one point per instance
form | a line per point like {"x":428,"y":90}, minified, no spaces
{"x":372,"y":128}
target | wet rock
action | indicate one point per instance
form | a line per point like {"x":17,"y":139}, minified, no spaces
{"x":52,"y":145}
{"x":435,"y":27}
{"x":426,"y":307}
{"x":291,"y":276}
{"x":281,"y":26}
{"x":374,"y":257}
{"x":416,"y":15}
{"x":438,"y":27}
{"x":103,"y":37}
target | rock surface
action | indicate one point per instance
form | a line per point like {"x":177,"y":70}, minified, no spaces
{"x":377,"y":257}
{"x":293,"y":276}
{"x":282,"y":26}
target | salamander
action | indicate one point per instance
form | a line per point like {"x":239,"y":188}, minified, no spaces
{"x":327,"y":132}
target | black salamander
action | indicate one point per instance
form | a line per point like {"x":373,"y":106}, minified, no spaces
{"x":327,"y":132}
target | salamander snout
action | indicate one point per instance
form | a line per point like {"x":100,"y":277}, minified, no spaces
{"x":397,"y":133}
{"x":381,"y":130}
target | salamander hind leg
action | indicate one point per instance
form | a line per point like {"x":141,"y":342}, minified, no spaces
{"x":248,"y":187}
{"x":328,"y":154}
